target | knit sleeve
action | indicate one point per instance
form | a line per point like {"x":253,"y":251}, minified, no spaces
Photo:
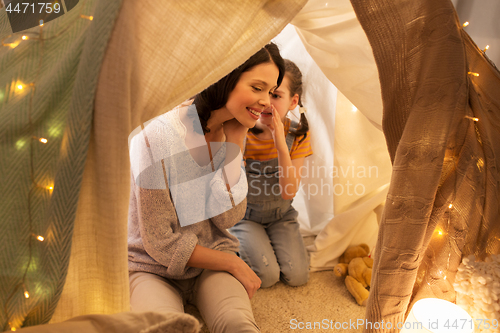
{"x":152,"y":217}
{"x":161,"y":235}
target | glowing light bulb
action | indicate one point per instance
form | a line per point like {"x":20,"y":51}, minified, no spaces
{"x":440,"y":232}
{"x":472,"y":73}
{"x":90,"y":18}
{"x":41,"y":23}
{"x":25,"y":37}
{"x":472,"y":118}
{"x":465,"y":24}
{"x":40,"y":238}
{"x":20,"y":87}
{"x":50,"y":188}
{"x":450,"y":206}
{"x":43,"y":140}
{"x":13,"y":329}
{"x":486,"y":48}
{"x":26,"y":294}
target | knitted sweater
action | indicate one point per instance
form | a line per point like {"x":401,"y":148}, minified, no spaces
{"x":157,"y":242}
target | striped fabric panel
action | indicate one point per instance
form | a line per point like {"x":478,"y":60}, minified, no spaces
{"x":63,"y":71}
{"x":262,"y":150}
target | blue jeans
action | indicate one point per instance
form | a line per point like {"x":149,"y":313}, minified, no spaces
{"x":271,"y":244}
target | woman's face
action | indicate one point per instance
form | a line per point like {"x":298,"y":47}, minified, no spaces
{"x":251,"y":95}
{"x":282,"y":101}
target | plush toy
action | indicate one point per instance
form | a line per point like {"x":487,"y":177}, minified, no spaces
{"x":356,"y":266}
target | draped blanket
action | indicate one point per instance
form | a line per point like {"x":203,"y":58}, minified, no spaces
{"x":47,"y":86}
{"x":442,"y":126}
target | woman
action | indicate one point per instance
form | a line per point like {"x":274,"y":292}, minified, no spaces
{"x":187,"y":189}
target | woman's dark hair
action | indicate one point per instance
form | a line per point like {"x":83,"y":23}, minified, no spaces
{"x":216,"y":95}
{"x":294,"y":75}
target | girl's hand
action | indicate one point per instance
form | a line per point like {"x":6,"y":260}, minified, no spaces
{"x":247,"y":277}
{"x":277,"y":129}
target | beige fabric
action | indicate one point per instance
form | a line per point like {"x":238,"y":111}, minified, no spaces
{"x":160,"y":53}
{"x":125,"y":322}
{"x":338,"y":45}
{"x":443,"y":200}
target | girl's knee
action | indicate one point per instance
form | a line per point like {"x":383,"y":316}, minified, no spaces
{"x":295,"y":275}
{"x":269,"y":276}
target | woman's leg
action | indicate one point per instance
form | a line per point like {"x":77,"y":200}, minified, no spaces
{"x":150,"y":292}
{"x":223,"y":303}
{"x":289,"y":249}
{"x":257,"y":252}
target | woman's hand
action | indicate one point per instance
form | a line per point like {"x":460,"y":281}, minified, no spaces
{"x":247,"y":277}
{"x":277,"y":129}
{"x":215,"y":260}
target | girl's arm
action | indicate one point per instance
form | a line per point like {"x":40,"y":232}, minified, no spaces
{"x":215,"y":260}
{"x":289,"y":178}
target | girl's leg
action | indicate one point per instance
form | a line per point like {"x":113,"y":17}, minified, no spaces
{"x":223,"y":303}
{"x":257,"y":252}
{"x":150,"y":292}
{"x":289,"y":249}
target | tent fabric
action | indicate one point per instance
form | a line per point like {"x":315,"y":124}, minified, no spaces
{"x":159,"y":54}
{"x":47,"y":86}
{"x":443,"y":201}
{"x":360,"y":168}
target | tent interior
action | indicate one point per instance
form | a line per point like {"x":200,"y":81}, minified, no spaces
{"x":405,"y":139}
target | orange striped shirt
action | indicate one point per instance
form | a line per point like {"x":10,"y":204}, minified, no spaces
{"x":262,"y":150}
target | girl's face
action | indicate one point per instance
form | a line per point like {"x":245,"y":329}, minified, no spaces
{"x":282,"y":101}
{"x":251,"y":95}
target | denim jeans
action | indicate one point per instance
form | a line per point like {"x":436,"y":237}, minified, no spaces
{"x":271,"y":244}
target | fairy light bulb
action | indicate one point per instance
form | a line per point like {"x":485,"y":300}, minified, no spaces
{"x":43,"y":140}
{"x":465,"y":24}
{"x":26,"y":294}
{"x":13,"y":329}
{"x":40,"y":238}
{"x":450,"y":206}
{"x":486,"y":48}
{"x":20,"y":87}
{"x":472,"y":73}
{"x":90,"y":18}
{"x":440,"y":232}
{"x":50,"y":188}
{"x":25,"y":37}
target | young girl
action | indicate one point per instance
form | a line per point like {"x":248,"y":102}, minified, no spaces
{"x":270,"y":241}
{"x":187,"y":189}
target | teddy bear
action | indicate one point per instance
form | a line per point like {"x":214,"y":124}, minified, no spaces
{"x":356,"y":266}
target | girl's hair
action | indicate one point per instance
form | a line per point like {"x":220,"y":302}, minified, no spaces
{"x":215,"y":96}
{"x":292,"y":72}
{"x":295,"y":86}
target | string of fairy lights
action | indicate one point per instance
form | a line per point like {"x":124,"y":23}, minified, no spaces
{"x":439,"y":231}
{"x":18,"y":88}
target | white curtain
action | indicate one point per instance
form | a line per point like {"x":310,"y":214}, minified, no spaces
{"x":343,"y":206}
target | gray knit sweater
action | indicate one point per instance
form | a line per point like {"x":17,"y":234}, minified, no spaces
{"x":157,"y":243}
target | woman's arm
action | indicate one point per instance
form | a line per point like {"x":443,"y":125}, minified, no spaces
{"x":214,"y":260}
